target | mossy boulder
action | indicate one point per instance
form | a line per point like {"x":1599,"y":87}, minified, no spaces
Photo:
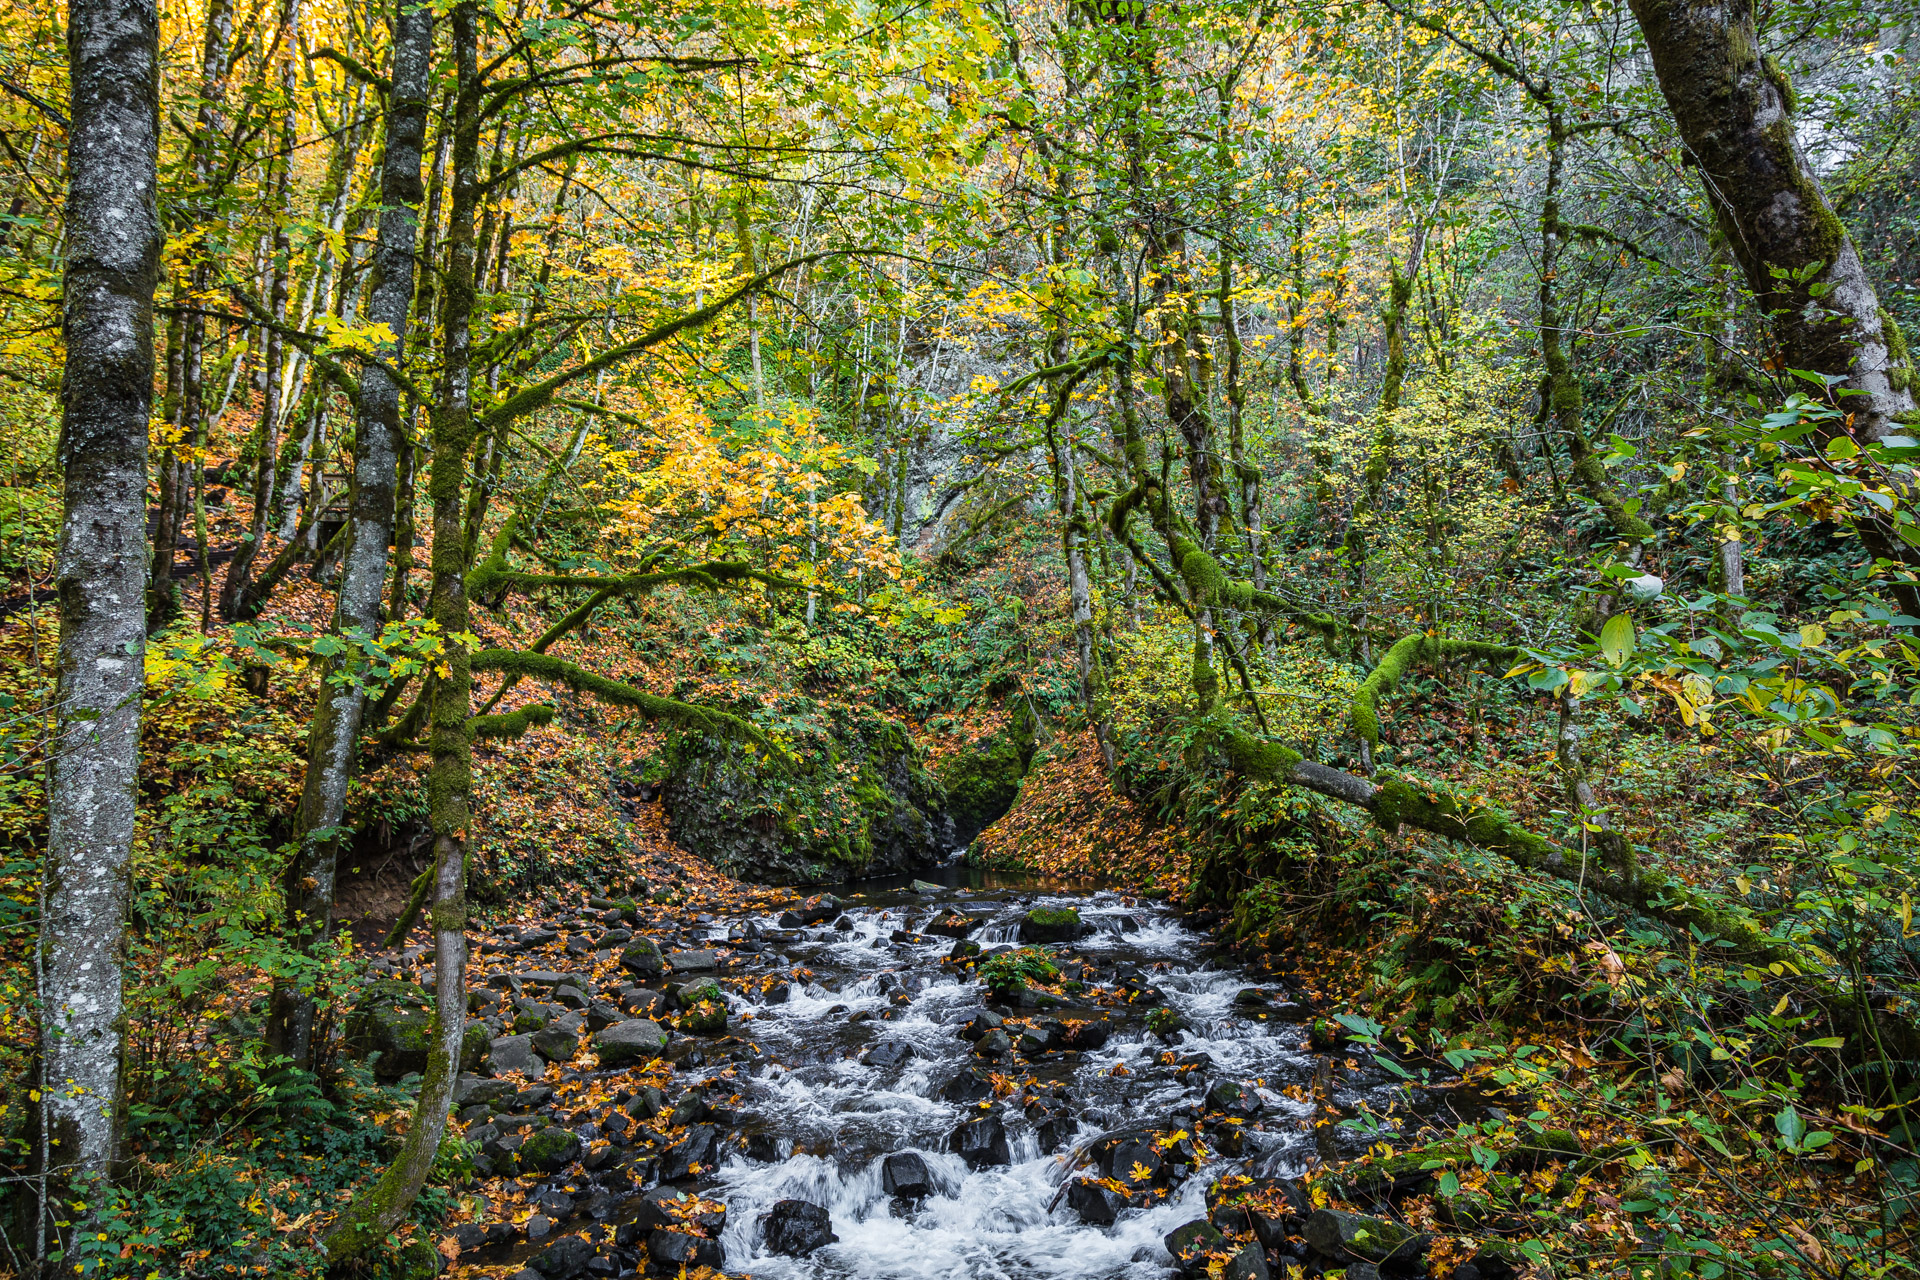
{"x":981,"y":782}
{"x":1048,"y":924}
{"x":700,"y":989}
{"x":642,"y":956}
{"x":550,"y":1150}
{"x":704,"y":1018}
{"x":1535,"y":1150}
{"x":1355,"y":1237}
{"x":392,"y":1020}
{"x":855,"y":800}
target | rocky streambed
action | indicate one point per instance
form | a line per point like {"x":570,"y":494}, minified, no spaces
{"x":978,"y":1078}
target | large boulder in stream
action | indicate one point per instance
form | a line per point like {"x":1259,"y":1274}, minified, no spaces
{"x":858,"y":801}
{"x":1052,"y":924}
{"x":796,"y":1228}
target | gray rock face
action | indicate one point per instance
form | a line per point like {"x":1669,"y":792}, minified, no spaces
{"x":557,"y":1040}
{"x":637,"y":1041}
{"x":720,"y":798}
{"x":515,"y":1053}
{"x":693,"y":961}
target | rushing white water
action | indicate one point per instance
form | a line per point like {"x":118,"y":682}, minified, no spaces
{"x":840,"y":1117}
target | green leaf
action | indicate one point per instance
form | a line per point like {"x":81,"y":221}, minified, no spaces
{"x":1449,"y":1184}
{"x":1827,"y":1042}
{"x":1790,"y":1124}
{"x":1616,"y":638}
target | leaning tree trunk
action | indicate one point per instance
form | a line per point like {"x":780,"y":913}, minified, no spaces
{"x":450,"y":786}
{"x":1734,"y":108}
{"x":342,"y":702}
{"x":113,"y":259}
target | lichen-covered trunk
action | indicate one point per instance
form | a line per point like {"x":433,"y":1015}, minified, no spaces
{"x":236,"y":592}
{"x":342,"y":699}
{"x":112,"y":262}
{"x":450,"y":783}
{"x":1734,"y":109}
{"x":332,"y":210}
{"x":1247,"y":473}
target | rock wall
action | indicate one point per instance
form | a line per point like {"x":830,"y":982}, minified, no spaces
{"x":858,"y":804}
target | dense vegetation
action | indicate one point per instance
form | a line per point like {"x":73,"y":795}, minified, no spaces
{"x":1425,"y":488}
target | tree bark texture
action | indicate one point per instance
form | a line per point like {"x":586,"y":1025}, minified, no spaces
{"x":450,"y":782}
{"x":112,"y":263}
{"x":237,"y":595}
{"x":342,"y":699}
{"x":1734,"y":108}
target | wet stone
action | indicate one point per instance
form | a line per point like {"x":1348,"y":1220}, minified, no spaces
{"x":982,"y":1142}
{"x":888,"y":1053}
{"x":905,"y":1174}
{"x":1095,"y":1202}
{"x":677,"y":1252}
{"x":796,"y":1228}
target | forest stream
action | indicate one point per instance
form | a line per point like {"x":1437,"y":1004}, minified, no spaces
{"x":946,"y":1129}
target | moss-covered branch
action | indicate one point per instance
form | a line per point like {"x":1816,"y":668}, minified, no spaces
{"x":541,"y":666}
{"x":489,"y":580}
{"x":1208,"y":585}
{"x":511,"y":725}
{"x":1398,"y":660}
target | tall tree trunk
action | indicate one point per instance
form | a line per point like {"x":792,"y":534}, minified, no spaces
{"x":1734,"y":109}
{"x":112,"y":262}
{"x":182,"y":468}
{"x":236,"y":591}
{"x":450,"y":787}
{"x":341,"y":704}
{"x":333,"y":209}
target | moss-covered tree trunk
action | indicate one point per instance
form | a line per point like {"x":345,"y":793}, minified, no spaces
{"x":1734,"y":109}
{"x":341,"y":700}
{"x":450,"y":781}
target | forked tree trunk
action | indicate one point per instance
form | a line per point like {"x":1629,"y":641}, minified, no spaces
{"x":341,"y":704}
{"x":112,"y":262}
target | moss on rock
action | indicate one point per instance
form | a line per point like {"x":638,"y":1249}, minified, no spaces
{"x":982,"y":783}
{"x":1048,"y":925}
{"x":550,"y":1150}
{"x":393,"y":1020}
{"x":856,"y":801}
